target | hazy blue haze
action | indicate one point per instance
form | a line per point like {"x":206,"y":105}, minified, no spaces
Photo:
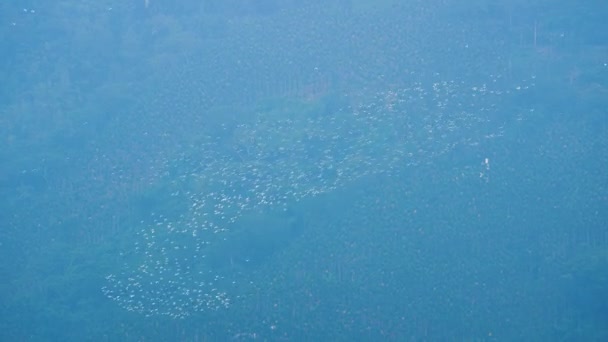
{"x":280,"y":170}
